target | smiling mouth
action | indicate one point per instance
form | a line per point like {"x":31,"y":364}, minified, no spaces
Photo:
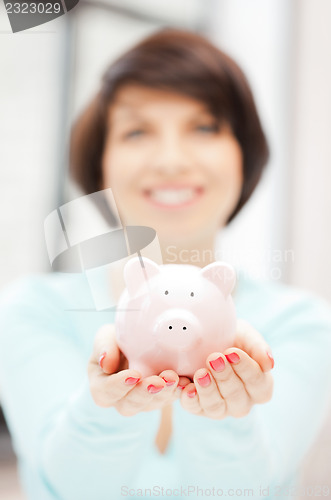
{"x":173,"y":197}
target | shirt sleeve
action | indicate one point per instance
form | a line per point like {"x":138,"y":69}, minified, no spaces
{"x":266,"y":448}
{"x":80,"y":450}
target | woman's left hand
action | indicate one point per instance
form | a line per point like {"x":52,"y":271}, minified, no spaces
{"x":233,"y":381}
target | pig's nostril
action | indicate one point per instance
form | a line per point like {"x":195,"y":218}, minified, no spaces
{"x":184,"y":327}
{"x":170,"y":327}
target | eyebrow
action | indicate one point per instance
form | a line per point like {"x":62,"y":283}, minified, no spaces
{"x":126,"y":109}
{"x":131,"y":112}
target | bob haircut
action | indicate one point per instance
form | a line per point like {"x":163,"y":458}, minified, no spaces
{"x":186,"y":63}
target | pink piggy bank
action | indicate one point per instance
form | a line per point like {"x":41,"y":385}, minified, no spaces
{"x":173,"y":316}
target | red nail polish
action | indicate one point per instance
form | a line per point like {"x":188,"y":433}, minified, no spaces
{"x":217,"y":364}
{"x":102,"y":357}
{"x":191,"y":394}
{"x":180,"y":386}
{"x":271,"y":359}
{"x":205,"y":380}
{"x":169,"y":382}
{"x":153,"y":389}
{"x":232,"y":357}
{"x":131,"y":380}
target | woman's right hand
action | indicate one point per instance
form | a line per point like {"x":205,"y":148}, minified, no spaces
{"x":113,"y":384}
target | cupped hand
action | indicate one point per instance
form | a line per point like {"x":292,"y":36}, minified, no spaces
{"x":233,"y":381}
{"x":112,"y":383}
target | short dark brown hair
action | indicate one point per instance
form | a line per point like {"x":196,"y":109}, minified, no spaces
{"x":186,"y":63}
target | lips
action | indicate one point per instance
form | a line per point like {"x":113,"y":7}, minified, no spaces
{"x":173,"y":196}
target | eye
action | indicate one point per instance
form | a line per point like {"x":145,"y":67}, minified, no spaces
{"x":192,"y":294}
{"x":166,"y":292}
{"x":134,"y":133}
{"x":207,"y":128}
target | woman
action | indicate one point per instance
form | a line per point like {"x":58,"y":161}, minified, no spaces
{"x":174,"y":132}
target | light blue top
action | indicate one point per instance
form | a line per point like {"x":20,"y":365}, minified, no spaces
{"x":70,"y":449}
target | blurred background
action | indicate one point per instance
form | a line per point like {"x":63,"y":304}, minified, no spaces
{"x":50,"y":72}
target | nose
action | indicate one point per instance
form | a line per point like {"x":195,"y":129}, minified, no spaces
{"x":177,"y":329}
{"x":170,"y":155}
{"x":179,"y":325}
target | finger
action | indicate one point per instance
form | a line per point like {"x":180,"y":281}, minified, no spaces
{"x":251,"y":341}
{"x":106,"y":389}
{"x":170,"y":377}
{"x":190,"y":399}
{"x":171,"y":380}
{"x":182,"y":383}
{"x":106,"y":352}
{"x":211,"y":400}
{"x":257,"y":384}
{"x":148,"y":389}
{"x":231,"y":387}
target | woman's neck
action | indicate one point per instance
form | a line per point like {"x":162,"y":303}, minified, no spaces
{"x":198,"y":253}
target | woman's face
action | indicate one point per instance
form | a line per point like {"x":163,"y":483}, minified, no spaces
{"x":169,"y":166}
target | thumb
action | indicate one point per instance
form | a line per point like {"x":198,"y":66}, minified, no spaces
{"x":105,"y":350}
{"x":253,"y":343}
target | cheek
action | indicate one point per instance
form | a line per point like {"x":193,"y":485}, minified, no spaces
{"x":224,"y":163}
{"x":117,"y":167}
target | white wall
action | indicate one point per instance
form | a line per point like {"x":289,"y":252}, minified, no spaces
{"x":310,"y":208}
{"x":30,"y":99}
{"x":285,"y":49}
{"x":184,"y":12}
{"x":257,"y":35}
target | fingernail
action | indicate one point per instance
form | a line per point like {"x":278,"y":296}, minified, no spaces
{"x":191,"y":394}
{"x":131,"y":380}
{"x":169,"y":382}
{"x":180,"y":386}
{"x":217,"y":364}
{"x":153,"y":389}
{"x":271,"y":359}
{"x":102,"y":357}
{"x":232,"y":357}
{"x":205,"y":380}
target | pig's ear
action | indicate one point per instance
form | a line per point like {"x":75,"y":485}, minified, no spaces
{"x":136,"y":271}
{"x":222,"y":274}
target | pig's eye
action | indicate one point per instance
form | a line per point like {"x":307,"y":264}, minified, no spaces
{"x":192,"y":294}
{"x":166,"y":292}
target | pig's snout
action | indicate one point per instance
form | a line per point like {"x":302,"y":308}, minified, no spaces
{"x":177,"y":329}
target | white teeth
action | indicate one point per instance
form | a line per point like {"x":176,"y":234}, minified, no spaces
{"x":172,"y":196}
